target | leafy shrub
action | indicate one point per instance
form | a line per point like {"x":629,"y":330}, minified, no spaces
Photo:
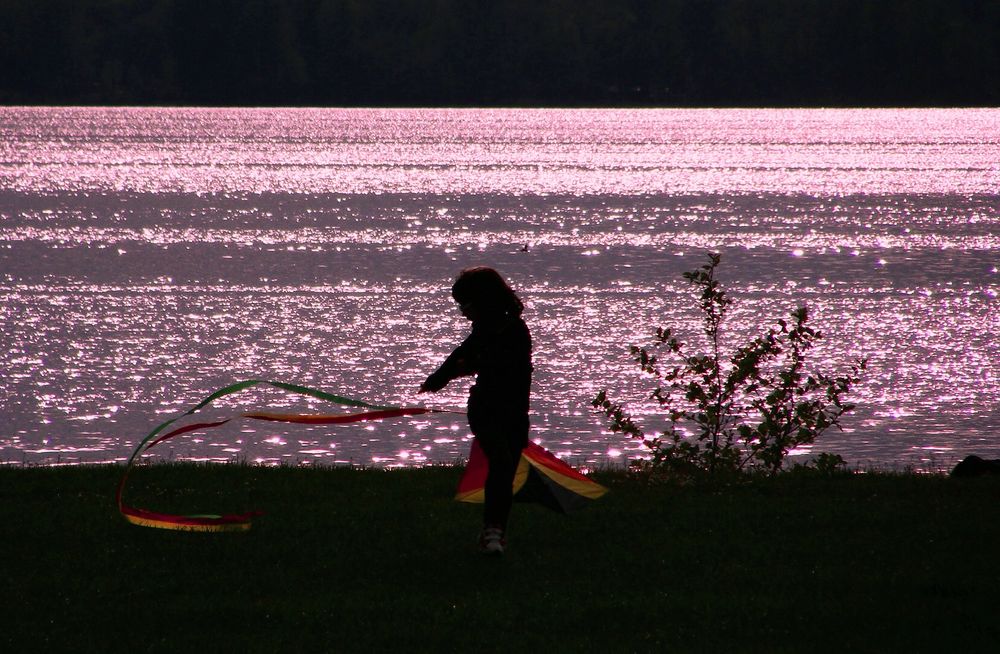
{"x":825,"y":464}
{"x":739,"y":413}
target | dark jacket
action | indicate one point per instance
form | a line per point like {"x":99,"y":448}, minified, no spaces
{"x":498,"y":352}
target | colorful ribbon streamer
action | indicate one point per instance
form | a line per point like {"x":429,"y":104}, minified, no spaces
{"x":241,"y":521}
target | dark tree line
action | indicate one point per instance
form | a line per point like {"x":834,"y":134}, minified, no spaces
{"x":501,"y":52}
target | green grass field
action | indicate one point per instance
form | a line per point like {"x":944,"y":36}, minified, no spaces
{"x":350,"y":560}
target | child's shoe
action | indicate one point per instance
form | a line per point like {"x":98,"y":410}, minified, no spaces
{"x":491,"y":540}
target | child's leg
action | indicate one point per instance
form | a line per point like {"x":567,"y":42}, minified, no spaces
{"x":503,"y":454}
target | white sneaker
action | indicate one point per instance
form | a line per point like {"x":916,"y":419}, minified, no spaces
{"x":491,"y":540}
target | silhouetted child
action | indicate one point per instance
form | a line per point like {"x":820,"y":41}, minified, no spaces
{"x":498,"y":352}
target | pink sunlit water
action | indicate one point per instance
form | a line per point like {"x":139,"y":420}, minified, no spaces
{"x":149,"y":256}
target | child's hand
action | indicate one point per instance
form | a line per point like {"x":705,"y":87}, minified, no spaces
{"x":433,"y":384}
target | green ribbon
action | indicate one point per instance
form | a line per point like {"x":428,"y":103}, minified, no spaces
{"x":249,"y":383}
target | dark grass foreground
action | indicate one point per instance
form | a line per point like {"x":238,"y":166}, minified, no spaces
{"x":348,"y":560}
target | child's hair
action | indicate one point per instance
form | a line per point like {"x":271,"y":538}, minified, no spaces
{"x":487,"y":289}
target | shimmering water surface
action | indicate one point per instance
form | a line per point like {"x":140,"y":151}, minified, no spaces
{"x":149,"y":256}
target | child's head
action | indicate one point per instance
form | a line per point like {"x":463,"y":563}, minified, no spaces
{"x":486,"y":290}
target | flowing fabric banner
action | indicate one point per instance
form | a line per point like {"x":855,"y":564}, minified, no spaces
{"x":241,"y":521}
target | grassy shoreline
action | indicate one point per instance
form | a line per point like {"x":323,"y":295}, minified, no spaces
{"x":368,"y":560}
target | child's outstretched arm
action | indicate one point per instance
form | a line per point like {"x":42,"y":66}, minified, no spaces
{"x":458,"y":364}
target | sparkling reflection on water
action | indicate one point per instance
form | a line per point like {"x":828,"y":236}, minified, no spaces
{"x":150,"y":256}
